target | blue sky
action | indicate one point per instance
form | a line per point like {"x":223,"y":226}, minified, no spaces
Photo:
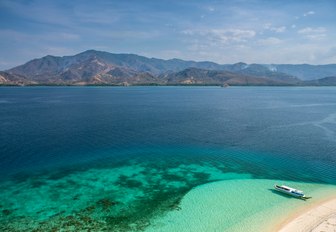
{"x":255,"y":31}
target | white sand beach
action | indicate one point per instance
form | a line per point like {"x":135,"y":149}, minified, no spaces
{"x":321,"y":217}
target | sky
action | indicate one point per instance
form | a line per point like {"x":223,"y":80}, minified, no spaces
{"x":226,"y":32}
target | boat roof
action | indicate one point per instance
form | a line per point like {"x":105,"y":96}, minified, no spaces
{"x":293,"y":189}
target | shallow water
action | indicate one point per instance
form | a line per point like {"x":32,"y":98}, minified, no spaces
{"x":117,"y":158}
{"x":218,"y":206}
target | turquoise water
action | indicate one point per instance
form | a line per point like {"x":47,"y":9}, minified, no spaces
{"x":80,"y":158}
{"x":237,"y":205}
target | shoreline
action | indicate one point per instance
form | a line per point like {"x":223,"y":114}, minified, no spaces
{"x":310,"y":217}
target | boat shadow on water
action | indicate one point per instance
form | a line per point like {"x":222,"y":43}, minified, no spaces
{"x":285,"y":195}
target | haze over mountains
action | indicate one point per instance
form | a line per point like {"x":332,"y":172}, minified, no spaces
{"x":102,"y":68}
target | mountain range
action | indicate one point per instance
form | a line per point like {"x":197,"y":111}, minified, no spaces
{"x":102,"y":68}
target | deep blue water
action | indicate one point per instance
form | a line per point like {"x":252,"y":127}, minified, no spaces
{"x":45,"y":127}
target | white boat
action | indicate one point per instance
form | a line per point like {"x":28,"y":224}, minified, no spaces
{"x":290,"y":191}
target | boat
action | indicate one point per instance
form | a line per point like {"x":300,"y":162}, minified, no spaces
{"x":290,"y":191}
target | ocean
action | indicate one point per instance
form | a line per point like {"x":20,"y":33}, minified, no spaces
{"x":128,"y":158}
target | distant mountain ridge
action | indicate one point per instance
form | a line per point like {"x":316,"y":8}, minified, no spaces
{"x":195,"y":76}
{"x":327,"y":81}
{"x":102,"y":68}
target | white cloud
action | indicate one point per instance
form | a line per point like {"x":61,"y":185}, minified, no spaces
{"x":309,"y":30}
{"x":313,"y":33}
{"x":223,"y":36}
{"x":232,"y":35}
{"x":211,"y":9}
{"x":278,"y":29}
{"x":316,"y":36}
{"x":268,"y":26}
{"x":308,"y":13}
